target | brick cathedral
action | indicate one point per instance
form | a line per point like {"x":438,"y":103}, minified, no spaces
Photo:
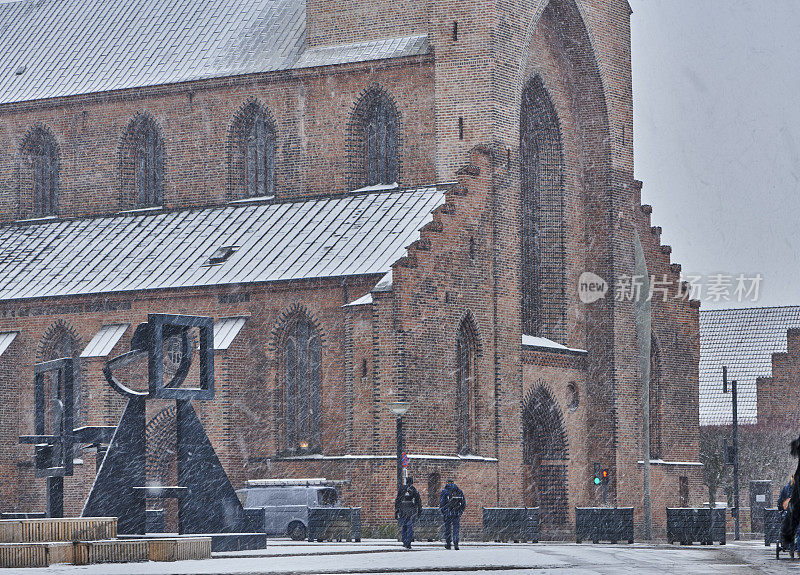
{"x":376,"y":201}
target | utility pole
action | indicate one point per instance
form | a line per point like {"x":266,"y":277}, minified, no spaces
{"x":734,"y":406}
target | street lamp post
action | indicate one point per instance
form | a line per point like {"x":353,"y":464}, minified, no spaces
{"x":399,"y":409}
{"x":734,"y":413}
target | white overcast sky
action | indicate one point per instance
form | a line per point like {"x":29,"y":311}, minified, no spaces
{"x":717,"y":135}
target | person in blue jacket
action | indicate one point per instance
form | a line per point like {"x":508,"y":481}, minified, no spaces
{"x":452,"y":504}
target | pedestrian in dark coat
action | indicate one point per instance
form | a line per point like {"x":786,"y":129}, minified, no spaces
{"x":791,"y":521}
{"x":407,"y":506}
{"x":783,"y":507}
{"x":452,"y":504}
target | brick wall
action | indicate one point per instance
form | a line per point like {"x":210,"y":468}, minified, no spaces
{"x":311,"y":109}
{"x":777,"y":401}
{"x":460,"y":114}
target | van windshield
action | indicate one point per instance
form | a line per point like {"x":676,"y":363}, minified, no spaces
{"x":327,"y":497}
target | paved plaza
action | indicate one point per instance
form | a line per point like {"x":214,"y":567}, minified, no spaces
{"x":376,"y":556}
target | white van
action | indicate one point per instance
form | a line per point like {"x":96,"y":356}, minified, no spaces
{"x":286,"y":502}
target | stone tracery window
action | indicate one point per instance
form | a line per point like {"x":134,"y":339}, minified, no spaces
{"x":302,"y":386}
{"x":466,"y":379}
{"x":41,"y":151}
{"x":543,"y":225}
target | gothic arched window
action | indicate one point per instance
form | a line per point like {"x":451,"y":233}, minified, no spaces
{"x":376,"y":129}
{"x":466,"y":364}
{"x":253,"y":150}
{"x":142,"y":163}
{"x":60,"y":341}
{"x":543,"y":259}
{"x":149,"y":164}
{"x":302,"y":386}
{"x":41,"y":152}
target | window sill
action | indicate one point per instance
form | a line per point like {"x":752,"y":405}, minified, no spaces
{"x":147,"y":210}
{"x":253,"y":200}
{"x":37,"y":220}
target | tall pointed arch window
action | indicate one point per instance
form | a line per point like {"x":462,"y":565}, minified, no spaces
{"x":58,"y":342}
{"x":253,"y":151}
{"x":260,"y":155}
{"x":543,"y":225}
{"x":466,"y":388}
{"x":149,"y":164}
{"x":376,"y":130}
{"x":142,"y":163}
{"x":41,"y":151}
{"x":302,"y":386}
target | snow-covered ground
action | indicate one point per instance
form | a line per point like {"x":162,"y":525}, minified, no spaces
{"x":285,"y":557}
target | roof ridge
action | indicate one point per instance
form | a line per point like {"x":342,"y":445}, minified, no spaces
{"x":233,"y":204}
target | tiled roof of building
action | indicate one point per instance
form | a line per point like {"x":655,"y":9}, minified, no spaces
{"x":354,"y":234}
{"x":53,"y":48}
{"x":743,"y":340}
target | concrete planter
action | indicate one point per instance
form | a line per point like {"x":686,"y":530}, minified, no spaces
{"x":517,"y":524}
{"x":687,"y":525}
{"x":334,"y":523}
{"x":597,"y":524}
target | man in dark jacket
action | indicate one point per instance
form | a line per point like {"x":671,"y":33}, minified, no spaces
{"x":451,"y":504}
{"x":407,"y":506}
{"x":791,"y":521}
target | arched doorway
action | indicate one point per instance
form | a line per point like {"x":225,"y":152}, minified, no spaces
{"x":545,"y":455}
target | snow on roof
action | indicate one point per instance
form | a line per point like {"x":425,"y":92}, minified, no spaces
{"x":353,"y":234}
{"x":364,"y":51}
{"x":744,"y":341}
{"x":543,"y":342}
{"x":386,"y":282}
{"x":365,"y":299}
{"x":55,"y":48}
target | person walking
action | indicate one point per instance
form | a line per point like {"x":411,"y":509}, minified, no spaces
{"x":407,"y":506}
{"x":783,"y":507}
{"x":791,"y":521}
{"x":452,"y":504}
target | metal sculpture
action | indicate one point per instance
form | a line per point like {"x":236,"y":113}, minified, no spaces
{"x":207,"y":502}
{"x":54,"y":436}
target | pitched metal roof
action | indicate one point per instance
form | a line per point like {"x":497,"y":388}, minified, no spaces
{"x":226,"y":330}
{"x":104,"y":340}
{"x":743,"y":340}
{"x":354,"y":234}
{"x":52,"y":48}
{"x":5,"y":340}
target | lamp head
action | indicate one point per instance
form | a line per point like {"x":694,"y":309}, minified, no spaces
{"x":399,"y":408}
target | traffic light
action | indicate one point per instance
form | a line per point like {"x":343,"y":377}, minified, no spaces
{"x":604,"y":476}
{"x":597,"y":474}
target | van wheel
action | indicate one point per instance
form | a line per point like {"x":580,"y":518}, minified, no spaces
{"x":297,"y":531}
